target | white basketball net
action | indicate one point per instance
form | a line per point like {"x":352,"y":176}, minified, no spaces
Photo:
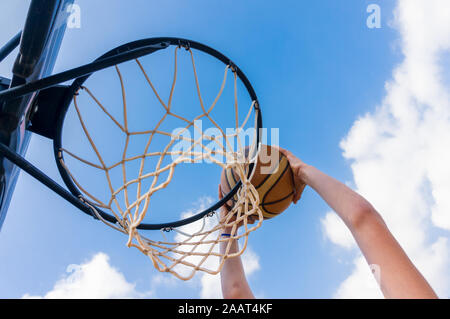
{"x":187,"y":252}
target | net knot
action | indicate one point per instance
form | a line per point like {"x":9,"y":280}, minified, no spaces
{"x":232,"y":66}
{"x":184,"y":44}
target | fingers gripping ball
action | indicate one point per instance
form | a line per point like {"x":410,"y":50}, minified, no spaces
{"x":272,"y":178}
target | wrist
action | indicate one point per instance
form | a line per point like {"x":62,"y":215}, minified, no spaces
{"x":227,"y":230}
{"x":228,"y":242}
{"x":304,"y":173}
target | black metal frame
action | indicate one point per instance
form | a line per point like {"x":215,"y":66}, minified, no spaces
{"x":39,"y":42}
{"x":60,"y":105}
{"x":10,"y":46}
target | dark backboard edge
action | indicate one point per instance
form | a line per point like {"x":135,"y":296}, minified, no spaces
{"x":18,"y":139}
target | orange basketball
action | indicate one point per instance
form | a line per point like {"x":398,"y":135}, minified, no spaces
{"x":273,"y":179}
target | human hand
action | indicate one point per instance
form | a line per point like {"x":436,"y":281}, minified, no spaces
{"x":297,"y":166}
{"x":225,"y":209}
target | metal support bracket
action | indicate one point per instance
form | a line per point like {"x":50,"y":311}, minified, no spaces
{"x":45,"y":110}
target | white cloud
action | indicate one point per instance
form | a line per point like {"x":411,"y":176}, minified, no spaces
{"x":93,"y":279}
{"x":97,"y":278}
{"x":336,"y":231}
{"x":400,"y":151}
{"x":360,"y":284}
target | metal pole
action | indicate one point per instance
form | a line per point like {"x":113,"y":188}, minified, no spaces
{"x":86,"y":69}
{"x":10,"y":46}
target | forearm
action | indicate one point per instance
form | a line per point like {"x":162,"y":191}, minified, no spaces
{"x":399,"y":278}
{"x":350,"y":206}
{"x":232,"y":276}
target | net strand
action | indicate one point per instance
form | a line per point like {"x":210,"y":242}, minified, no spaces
{"x":189,"y":251}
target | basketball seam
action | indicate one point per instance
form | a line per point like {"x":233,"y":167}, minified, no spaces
{"x":271,"y":187}
{"x":279,"y":200}
{"x":233,"y":199}
{"x":265,"y":179}
{"x":264,"y":205}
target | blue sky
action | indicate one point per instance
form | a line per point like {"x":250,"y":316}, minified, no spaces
{"x":317,"y":70}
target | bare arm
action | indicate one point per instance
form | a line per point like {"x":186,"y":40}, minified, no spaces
{"x":232,"y":277}
{"x":399,"y":277}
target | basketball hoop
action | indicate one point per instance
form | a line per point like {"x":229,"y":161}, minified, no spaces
{"x":181,"y":247}
{"x":186,"y":249}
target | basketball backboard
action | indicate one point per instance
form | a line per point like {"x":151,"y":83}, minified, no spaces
{"x":40,"y":41}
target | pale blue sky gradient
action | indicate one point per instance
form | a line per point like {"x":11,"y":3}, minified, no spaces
{"x":315,"y":67}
